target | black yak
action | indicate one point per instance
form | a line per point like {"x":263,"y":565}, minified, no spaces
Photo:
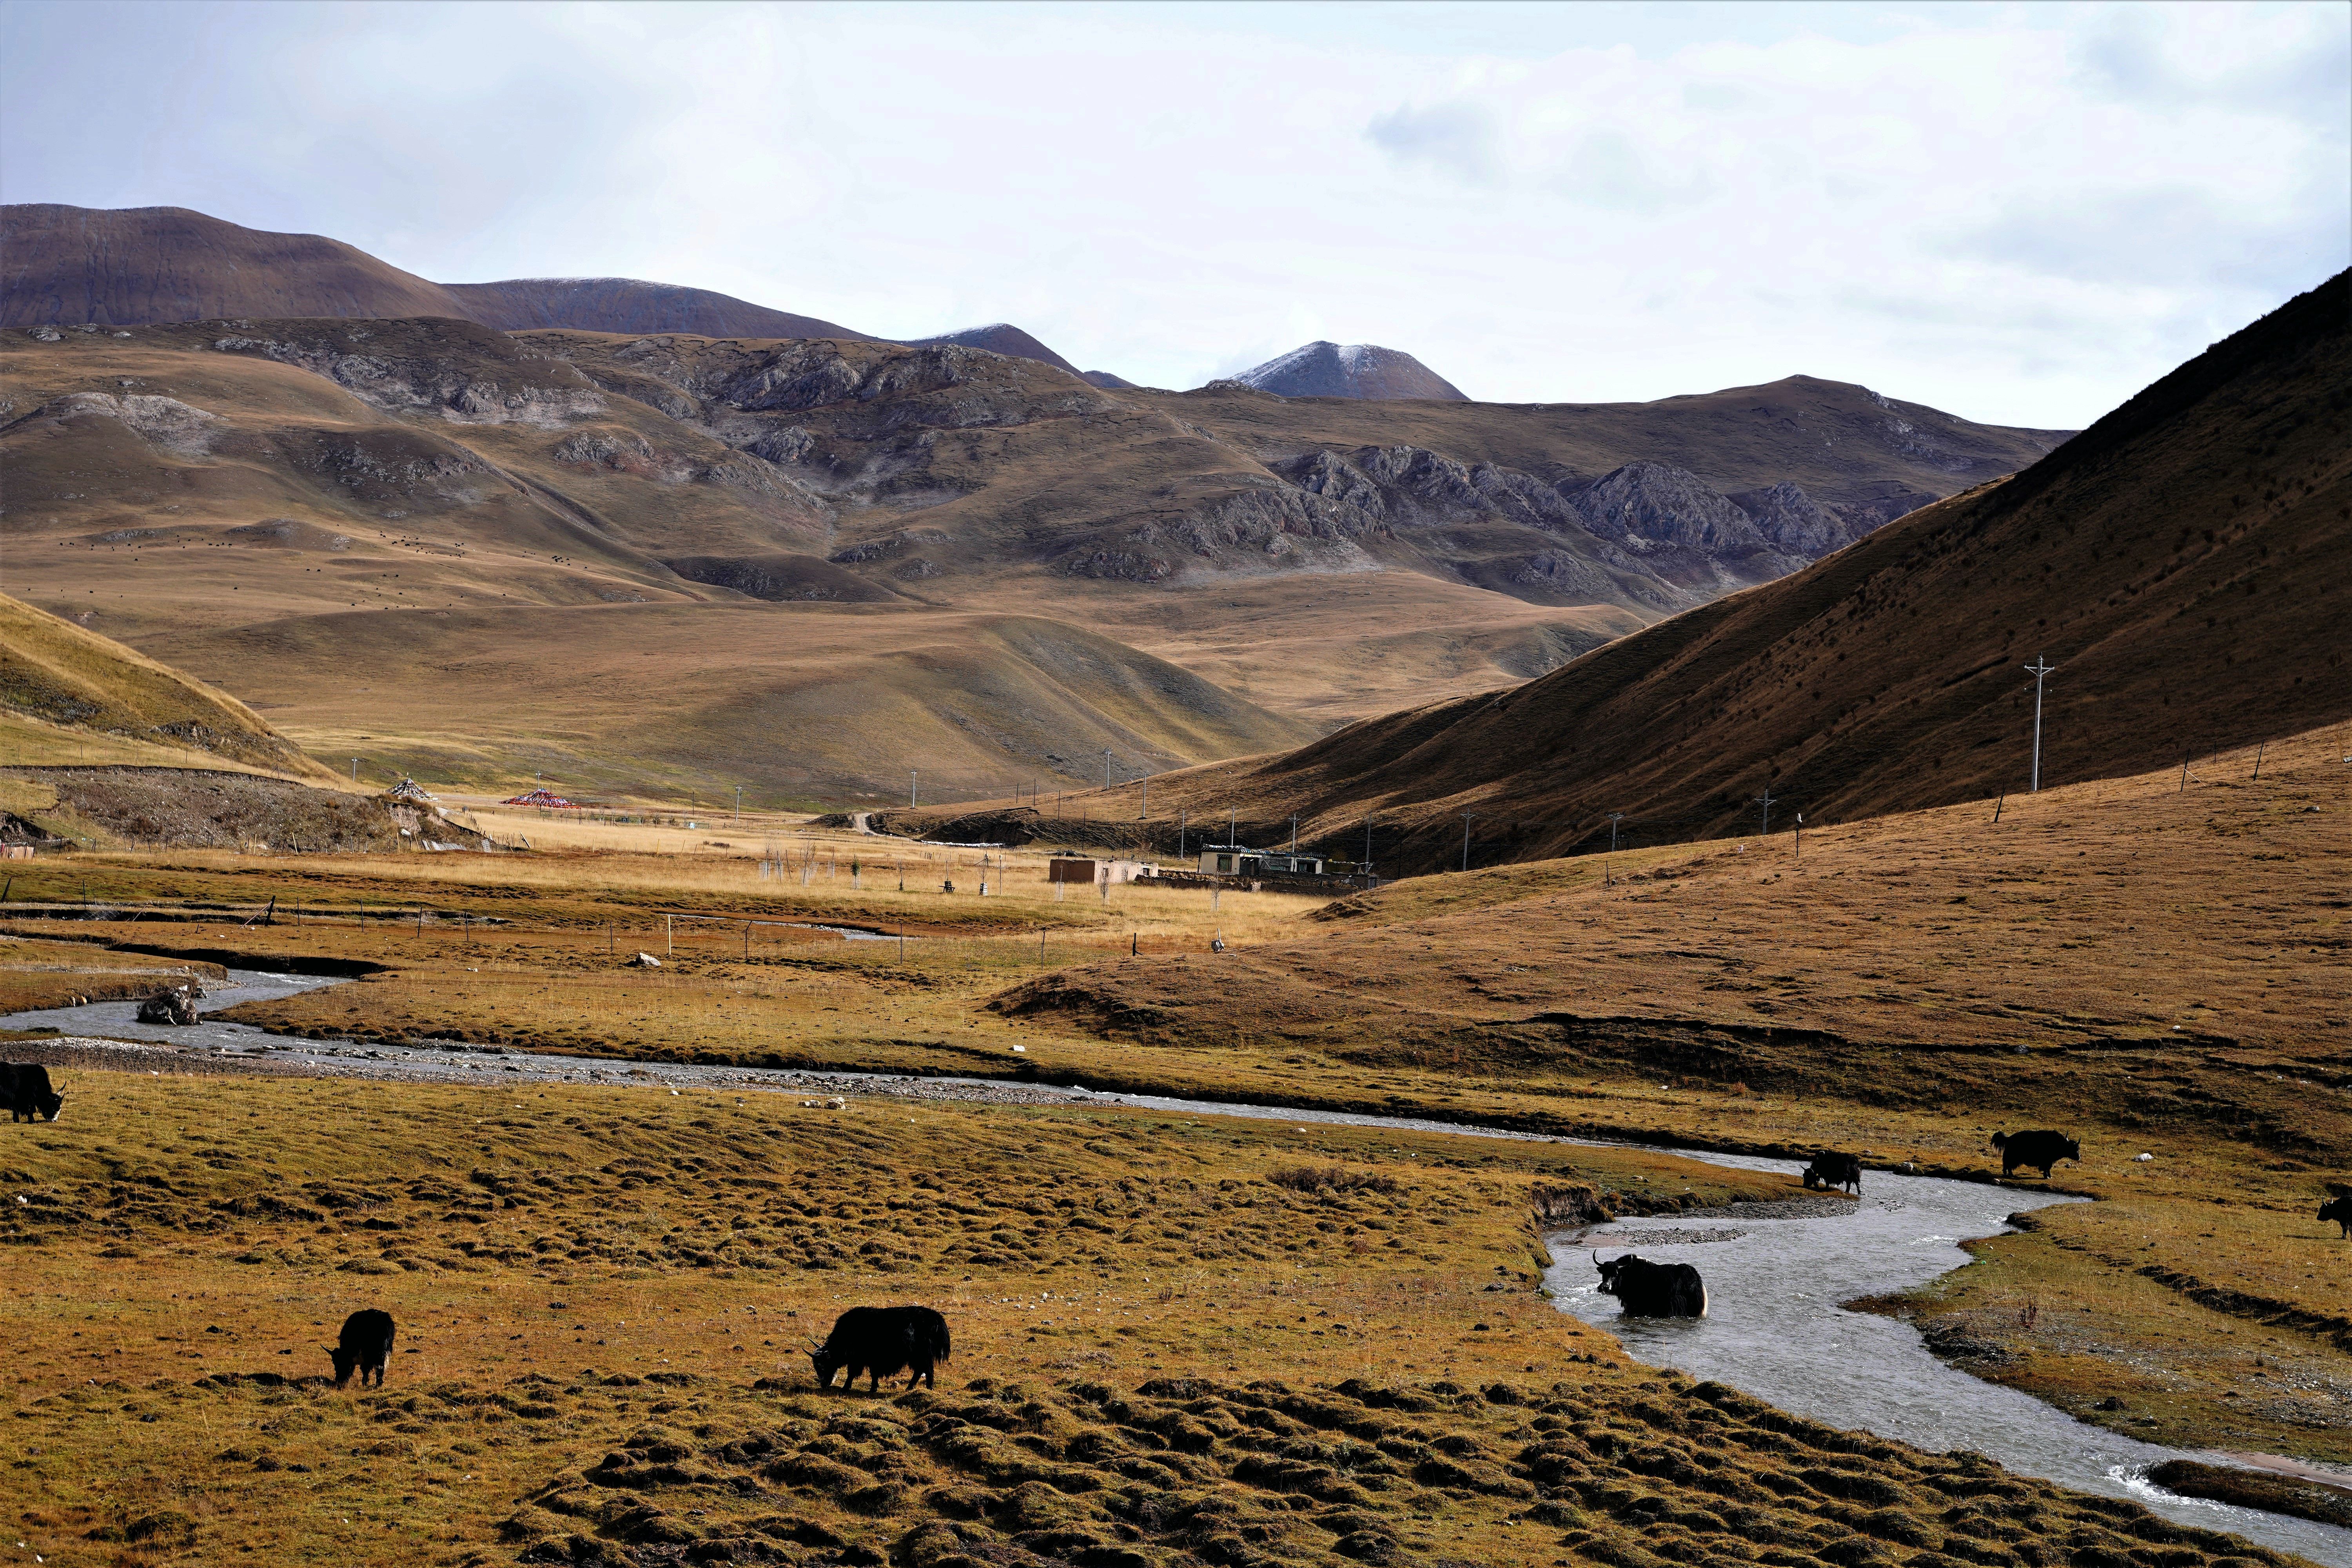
{"x":1830,"y":1170}
{"x":366,"y":1346}
{"x":26,"y":1087}
{"x":1653,"y":1289}
{"x":2041,"y":1148}
{"x":882,"y":1342}
{"x":2340,"y":1211}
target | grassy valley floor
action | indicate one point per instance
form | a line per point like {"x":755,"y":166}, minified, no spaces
{"x":1177,"y":1343}
{"x":2203,"y":1302}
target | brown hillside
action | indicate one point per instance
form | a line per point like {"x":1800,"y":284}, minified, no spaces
{"x":631,"y":305}
{"x":62,"y":686}
{"x":66,"y":266}
{"x":1002,"y":338}
{"x":2183,"y":564}
{"x":210,"y":479}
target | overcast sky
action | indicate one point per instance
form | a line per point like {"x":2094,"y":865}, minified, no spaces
{"x":2020,"y":213}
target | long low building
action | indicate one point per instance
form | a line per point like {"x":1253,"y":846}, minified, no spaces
{"x":1235,"y":860}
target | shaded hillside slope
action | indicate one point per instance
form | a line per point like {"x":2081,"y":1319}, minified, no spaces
{"x":66,"y":265}
{"x":631,"y":305}
{"x":61,"y":684}
{"x":2185,"y":564}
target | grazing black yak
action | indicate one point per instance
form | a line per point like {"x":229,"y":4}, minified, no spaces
{"x":2041,"y":1148}
{"x":1653,"y":1289}
{"x":2340,"y":1211}
{"x":366,"y":1346}
{"x":25,"y":1087}
{"x":882,"y":1342}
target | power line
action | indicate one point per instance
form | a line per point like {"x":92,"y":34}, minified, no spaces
{"x":2041,"y":669}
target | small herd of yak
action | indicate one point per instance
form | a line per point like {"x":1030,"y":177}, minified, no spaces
{"x":882,"y":1342}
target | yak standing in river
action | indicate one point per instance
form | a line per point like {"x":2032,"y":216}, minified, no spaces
{"x":2041,"y":1148}
{"x":1653,"y":1289}
{"x":1829,"y":1172}
{"x":882,"y":1342}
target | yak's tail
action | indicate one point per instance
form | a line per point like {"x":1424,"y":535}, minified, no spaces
{"x":935,"y":1338}
{"x":2000,"y":1140}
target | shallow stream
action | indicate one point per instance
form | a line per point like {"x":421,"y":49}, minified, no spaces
{"x":1774,"y":1327}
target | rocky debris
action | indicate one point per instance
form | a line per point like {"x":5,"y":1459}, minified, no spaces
{"x":176,"y":1006}
{"x":189,"y":808}
{"x":1367,"y":371}
{"x":180,"y":428}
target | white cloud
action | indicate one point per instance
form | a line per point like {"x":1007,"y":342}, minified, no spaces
{"x":2017,"y":213}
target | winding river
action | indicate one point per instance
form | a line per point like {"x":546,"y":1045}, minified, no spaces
{"x":1774,"y":1327}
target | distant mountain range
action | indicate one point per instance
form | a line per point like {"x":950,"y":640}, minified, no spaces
{"x":67,"y":266}
{"x":1353,"y":370}
{"x":227,"y":490}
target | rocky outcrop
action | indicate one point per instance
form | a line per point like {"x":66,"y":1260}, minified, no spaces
{"x":1787,"y":517}
{"x":178,"y":427}
{"x":407,"y":367}
{"x":1645,"y":505}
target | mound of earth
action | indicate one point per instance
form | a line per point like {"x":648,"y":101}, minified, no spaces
{"x":187,"y":808}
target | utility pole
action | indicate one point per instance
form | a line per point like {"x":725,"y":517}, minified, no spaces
{"x":1614,"y":818}
{"x":1368,"y":848}
{"x":1800,"y":835}
{"x":355,"y":770}
{"x":1182,"y":820}
{"x":1232,"y":815}
{"x":2041,"y":669}
{"x":1294,"y":836}
{"x":1147,"y":799}
{"x":738,"y":803}
{"x":1105,"y":767}
{"x":1765,"y":801}
{"x":914,"y":795}
{"x":1466,"y":840}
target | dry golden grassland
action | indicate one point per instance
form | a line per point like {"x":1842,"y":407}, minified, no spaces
{"x":1614,"y":998}
{"x":1178,"y":1341}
